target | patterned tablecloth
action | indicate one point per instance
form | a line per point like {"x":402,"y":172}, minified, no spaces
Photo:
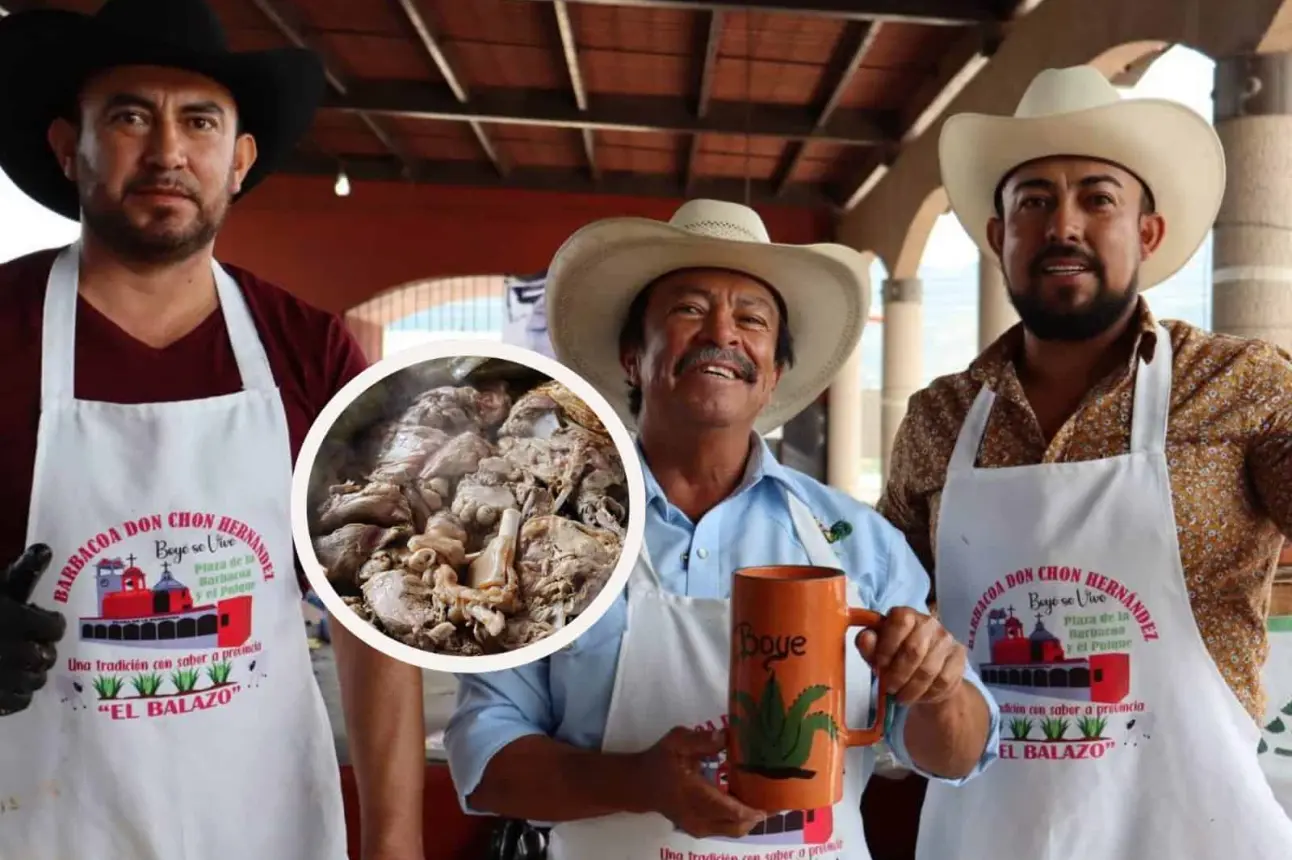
{"x":1276,"y":739}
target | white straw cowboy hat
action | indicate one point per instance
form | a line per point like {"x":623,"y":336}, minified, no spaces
{"x":1076,"y":111}
{"x":600,"y":269}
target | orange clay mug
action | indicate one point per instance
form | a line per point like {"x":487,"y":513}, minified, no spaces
{"x":786,"y":733}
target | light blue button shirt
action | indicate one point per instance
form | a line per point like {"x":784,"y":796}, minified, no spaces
{"x":567,"y":696}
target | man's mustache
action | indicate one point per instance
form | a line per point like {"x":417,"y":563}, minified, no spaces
{"x":158,"y":183}
{"x":1065,"y":252}
{"x":744,"y":367}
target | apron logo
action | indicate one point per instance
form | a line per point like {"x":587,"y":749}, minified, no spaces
{"x":164,"y":637}
{"x":1064,"y":685}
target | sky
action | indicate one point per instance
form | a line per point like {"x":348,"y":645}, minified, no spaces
{"x":948,"y":268}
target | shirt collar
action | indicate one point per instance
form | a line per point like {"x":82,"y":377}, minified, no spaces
{"x":760,"y":465}
{"x":989,"y":367}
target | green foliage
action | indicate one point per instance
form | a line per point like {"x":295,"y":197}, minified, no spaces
{"x":1020,"y":728}
{"x":219,"y":672}
{"x":185,"y":679}
{"x":1092,"y":727}
{"x":108,"y":686}
{"x":147,"y":685}
{"x":1054,"y":728}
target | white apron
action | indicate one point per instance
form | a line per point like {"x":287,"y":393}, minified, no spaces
{"x":182,"y":720}
{"x":1119,"y":738}
{"x":1275,"y":747}
{"x":673,"y":668}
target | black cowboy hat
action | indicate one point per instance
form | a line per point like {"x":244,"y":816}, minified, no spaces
{"x":47,"y":54}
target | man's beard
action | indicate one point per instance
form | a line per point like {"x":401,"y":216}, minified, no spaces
{"x":1104,"y":311}
{"x":109,"y":223}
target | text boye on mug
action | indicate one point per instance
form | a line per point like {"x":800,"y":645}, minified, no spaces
{"x":786,"y":733}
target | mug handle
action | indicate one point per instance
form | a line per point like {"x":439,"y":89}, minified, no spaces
{"x":875,"y":733}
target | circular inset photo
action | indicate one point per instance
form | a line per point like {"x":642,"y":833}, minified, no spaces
{"x":468,"y":506}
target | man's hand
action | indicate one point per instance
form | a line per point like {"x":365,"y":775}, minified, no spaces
{"x":28,"y":634}
{"x":674,"y":787}
{"x":921,"y":663}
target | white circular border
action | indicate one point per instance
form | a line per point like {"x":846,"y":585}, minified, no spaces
{"x":464,"y":347}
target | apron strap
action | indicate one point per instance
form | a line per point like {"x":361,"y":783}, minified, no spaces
{"x":643,"y":579}
{"x":809,"y":532}
{"x":969,"y":442}
{"x":1152,"y":398}
{"x":58,"y":330}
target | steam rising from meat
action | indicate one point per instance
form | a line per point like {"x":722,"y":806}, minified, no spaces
{"x":481,"y":518}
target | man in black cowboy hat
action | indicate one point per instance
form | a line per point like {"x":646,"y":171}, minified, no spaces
{"x":155,"y":681}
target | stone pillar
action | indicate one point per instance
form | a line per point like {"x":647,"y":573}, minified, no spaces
{"x":843,"y":436}
{"x":1252,"y":277}
{"x":903,"y":356}
{"x":995,"y":314}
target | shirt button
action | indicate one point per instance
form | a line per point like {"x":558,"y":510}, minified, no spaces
{"x":702,"y":553}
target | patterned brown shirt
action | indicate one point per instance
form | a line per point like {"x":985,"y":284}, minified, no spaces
{"x":1229,"y":450}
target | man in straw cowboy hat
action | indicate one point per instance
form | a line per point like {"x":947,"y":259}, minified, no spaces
{"x":155,"y":682}
{"x":705,"y":335}
{"x":1101,"y":496}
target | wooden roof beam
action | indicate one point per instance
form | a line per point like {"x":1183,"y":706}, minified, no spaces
{"x":941,"y":13}
{"x":958,"y":66}
{"x":478,"y":175}
{"x":570,"y":51}
{"x":288,"y":23}
{"x":431,"y":45}
{"x":704,"y":92}
{"x":849,"y":54}
{"x":668,"y":114}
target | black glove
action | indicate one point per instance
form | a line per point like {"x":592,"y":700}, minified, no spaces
{"x":28,"y":634}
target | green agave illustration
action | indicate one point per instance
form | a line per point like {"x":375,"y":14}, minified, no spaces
{"x":774,"y":741}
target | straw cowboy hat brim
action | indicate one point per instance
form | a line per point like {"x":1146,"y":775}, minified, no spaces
{"x":47,"y":54}
{"x":596,"y":274}
{"x":1077,"y":112}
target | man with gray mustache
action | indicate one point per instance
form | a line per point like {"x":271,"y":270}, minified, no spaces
{"x":705,"y":336}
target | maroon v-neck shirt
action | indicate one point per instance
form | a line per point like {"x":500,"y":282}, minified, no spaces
{"x":311,"y":353}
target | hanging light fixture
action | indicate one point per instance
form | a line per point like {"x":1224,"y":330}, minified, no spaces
{"x":342,"y":187}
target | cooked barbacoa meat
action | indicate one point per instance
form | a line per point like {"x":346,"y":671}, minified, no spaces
{"x":479,"y":506}
{"x":456,"y":409}
{"x":402,"y":451}
{"x":459,"y":456}
{"x":472,"y":519}
{"x":378,"y":504}
{"x":345,"y":550}
{"x":563,"y":565}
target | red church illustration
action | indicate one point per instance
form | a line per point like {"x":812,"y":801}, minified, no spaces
{"x":1036,"y":664}
{"x":163,"y":616}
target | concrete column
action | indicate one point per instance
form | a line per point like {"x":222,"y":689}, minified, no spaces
{"x":903,"y":356}
{"x":843,"y":433}
{"x":1252,"y":277}
{"x":995,"y":314}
